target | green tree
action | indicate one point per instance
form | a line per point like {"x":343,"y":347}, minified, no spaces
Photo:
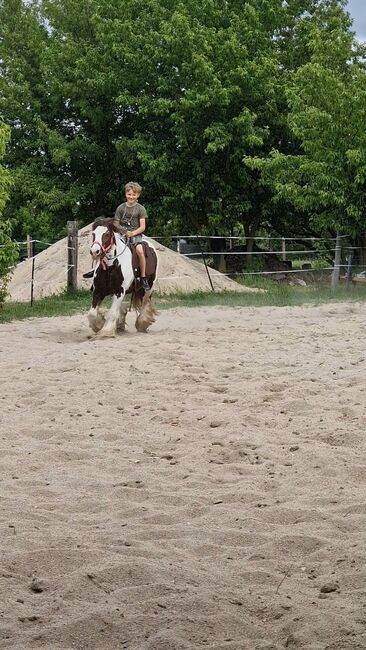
{"x":5,"y":180}
{"x":8,"y":249}
{"x":172,"y":94}
{"x":327,"y":102}
{"x":202,"y":93}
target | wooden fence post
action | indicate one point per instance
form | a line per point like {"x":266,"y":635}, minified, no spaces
{"x":283,"y":249}
{"x":29,"y":247}
{"x":72,"y":256}
{"x":337,"y":263}
{"x":349,"y":269}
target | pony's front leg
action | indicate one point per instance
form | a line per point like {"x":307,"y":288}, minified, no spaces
{"x":95,"y":318}
{"x":110,"y":326}
{"x":121,"y":322}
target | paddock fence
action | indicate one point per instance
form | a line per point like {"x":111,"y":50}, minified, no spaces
{"x":293,"y":260}
{"x":29,"y":251}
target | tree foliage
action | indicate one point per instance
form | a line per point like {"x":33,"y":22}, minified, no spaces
{"x":8,"y":249}
{"x":177,"y":96}
{"x":326,"y":178}
{"x":5,"y":180}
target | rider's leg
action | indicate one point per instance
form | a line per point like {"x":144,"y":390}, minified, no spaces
{"x":142,"y":261}
{"x":141,"y":255}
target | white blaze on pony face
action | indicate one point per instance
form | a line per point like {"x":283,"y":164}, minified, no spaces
{"x":101,"y":239}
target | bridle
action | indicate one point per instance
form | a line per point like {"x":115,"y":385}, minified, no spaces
{"x":105,"y":249}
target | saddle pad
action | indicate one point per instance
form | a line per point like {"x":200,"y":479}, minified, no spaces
{"x":150,"y":257}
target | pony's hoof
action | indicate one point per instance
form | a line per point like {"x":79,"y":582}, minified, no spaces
{"x":109,"y":330}
{"x":142,"y":327}
{"x":96,"y":324}
{"x":106,"y":334}
{"x":95,"y":328}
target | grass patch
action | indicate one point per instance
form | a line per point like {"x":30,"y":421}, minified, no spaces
{"x":274,"y":295}
{"x":277,"y":295}
{"x":61,"y":305}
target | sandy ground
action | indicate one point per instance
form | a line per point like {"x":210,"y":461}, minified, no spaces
{"x":201,"y":486}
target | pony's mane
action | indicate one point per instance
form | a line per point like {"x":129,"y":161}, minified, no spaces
{"x":104,"y":221}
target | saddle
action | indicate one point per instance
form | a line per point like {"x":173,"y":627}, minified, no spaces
{"x":150,"y":257}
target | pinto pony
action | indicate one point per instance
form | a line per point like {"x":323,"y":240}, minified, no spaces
{"x":116,"y":274}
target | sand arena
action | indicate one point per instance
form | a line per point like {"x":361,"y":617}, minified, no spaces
{"x":199,"y":486}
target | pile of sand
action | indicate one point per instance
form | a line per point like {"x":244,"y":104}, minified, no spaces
{"x":177,"y":273}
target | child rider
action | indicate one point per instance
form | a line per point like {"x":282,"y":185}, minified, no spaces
{"x":131,"y":217}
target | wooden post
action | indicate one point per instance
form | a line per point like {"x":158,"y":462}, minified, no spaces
{"x":337,"y":263}
{"x":72,"y":255}
{"x":222,"y":263}
{"x":29,"y":247}
{"x":283,"y":249}
{"x":349,"y":269}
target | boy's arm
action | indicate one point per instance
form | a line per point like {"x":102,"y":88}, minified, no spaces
{"x":117,"y":221}
{"x":117,"y":227}
{"x":139,"y":230}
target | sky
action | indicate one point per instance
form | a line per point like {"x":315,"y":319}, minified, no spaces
{"x":357,"y":10}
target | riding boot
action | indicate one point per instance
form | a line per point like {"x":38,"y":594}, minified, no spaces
{"x":144,"y":283}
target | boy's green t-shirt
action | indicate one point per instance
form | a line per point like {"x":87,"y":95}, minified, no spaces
{"x":129,"y":216}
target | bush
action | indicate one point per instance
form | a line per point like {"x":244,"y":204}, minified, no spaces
{"x":8,"y":257}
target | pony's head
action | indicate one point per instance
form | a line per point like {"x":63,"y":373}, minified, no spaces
{"x":103,"y":237}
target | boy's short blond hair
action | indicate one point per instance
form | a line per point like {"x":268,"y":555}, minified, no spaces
{"x":136,"y":187}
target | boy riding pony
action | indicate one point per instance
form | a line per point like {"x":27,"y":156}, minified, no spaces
{"x":130,"y":219}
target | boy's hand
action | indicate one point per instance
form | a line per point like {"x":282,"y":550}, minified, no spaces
{"x":128,"y":234}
